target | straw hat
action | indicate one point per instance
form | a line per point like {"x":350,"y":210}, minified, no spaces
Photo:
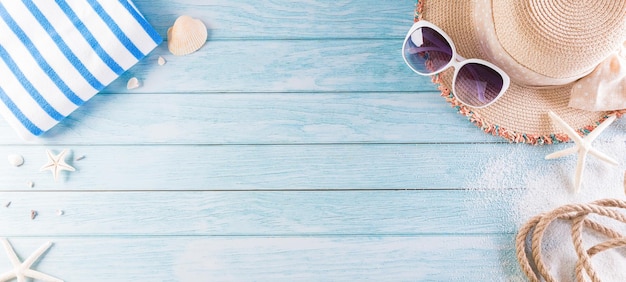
{"x":545,"y":46}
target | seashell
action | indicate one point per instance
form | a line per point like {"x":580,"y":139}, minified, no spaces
{"x":16,"y":160}
{"x":132,"y":83}
{"x":186,"y":36}
{"x":30,"y":184}
{"x":161,"y":61}
{"x":60,"y":212}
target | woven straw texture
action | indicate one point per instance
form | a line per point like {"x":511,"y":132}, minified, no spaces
{"x":520,"y":115}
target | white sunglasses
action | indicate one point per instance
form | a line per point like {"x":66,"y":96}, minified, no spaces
{"x":428,"y":50}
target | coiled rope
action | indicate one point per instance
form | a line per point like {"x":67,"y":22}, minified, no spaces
{"x":534,"y":229}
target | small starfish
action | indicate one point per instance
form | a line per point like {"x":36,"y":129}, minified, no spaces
{"x":583,"y":146}
{"x":21,"y":270}
{"x":56,"y":164}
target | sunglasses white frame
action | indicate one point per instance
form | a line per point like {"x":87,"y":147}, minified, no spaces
{"x":456,"y":61}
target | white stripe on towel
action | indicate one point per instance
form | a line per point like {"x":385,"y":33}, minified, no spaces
{"x":55,"y":55}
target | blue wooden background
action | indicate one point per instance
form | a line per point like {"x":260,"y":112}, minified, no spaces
{"x":295,"y":145}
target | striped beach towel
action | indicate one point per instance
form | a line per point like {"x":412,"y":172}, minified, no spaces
{"x":57,"y":54}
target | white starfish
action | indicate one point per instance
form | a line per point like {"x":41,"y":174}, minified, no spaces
{"x":56,"y":164}
{"x":583,"y":146}
{"x":21,"y":270}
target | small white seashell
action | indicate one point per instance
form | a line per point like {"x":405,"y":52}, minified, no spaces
{"x":30,"y":184}
{"x":60,"y":212}
{"x":16,"y":160}
{"x":161,"y":61}
{"x":132,"y":83}
{"x":186,"y":36}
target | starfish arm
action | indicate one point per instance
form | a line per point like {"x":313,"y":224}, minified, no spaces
{"x":50,"y":163}
{"x":22,"y":270}
{"x":56,"y":164}
{"x":565,"y":127}
{"x":10,"y":252}
{"x":55,"y":172}
{"x":8,"y":276}
{"x":603,"y":156}
{"x":591,"y":136}
{"x":61,"y":155}
{"x":40,"y":276}
{"x":65,"y":166}
{"x":34,"y":256}
{"x":47,"y":166}
{"x":61,"y":161}
{"x":562,"y":153}
{"x":580,"y":166}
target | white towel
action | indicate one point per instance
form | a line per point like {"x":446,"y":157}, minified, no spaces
{"x":57,"y":54}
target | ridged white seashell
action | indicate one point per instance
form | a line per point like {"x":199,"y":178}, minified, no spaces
{"x":132,"y":83}
{"x":161,"y":61}
{"x":186,"y":36}
{"x":16,"y":160}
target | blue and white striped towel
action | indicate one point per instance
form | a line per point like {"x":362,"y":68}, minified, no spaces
{"x":57,"y":54}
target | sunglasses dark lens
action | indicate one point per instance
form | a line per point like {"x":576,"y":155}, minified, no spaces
{"x":426,"y":51}
{"x":477,"y":85}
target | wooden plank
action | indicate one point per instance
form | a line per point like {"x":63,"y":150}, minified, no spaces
{"x":278,"y":66}
{"x":376,"y":258}
{"x":293,"y":98}
{"x":268,"y":213}
{"x":286,"y":19}
{"x":241,"y":167}
{"x":261,"y":118}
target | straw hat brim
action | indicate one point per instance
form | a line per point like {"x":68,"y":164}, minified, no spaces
{"x":521,"y":114}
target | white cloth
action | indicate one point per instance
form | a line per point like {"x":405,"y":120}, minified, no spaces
{"x":605,"y":88}
{"x":56,"y":55}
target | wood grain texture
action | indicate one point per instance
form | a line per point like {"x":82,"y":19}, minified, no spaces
{"x":345,"y":258}
{"x":286,"y":19}
{"x":267,"y":213}
{"x":277,"y":66}
{"x":243,"y":167}
{"x":261,"y":118}
{"x":295,"y":145}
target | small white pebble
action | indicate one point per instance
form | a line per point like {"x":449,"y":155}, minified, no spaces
{"x":161,"y":61}
{"x":132,"y":83}
{"x":16,"y":160}
{"x":30,"y":184}
{"x":60,"y":212}
{"x":80,"y":158}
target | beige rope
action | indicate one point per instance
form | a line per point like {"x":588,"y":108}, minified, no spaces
{"x":534,"y":229}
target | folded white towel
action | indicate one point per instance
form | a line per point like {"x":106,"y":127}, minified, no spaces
{"x":57,"y":54}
